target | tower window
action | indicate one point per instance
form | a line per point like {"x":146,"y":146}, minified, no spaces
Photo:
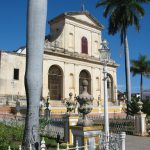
{"x":16,"y":74}
{"x":84,"y":45}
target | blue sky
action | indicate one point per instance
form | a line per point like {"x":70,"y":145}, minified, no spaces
{"x":13,"y":31}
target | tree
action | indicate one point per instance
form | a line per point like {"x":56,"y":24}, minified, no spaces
{"x":133,"y":106}
{"x":141,"y":67}
{"x":36,"y":22}
{"x":122,"y":14}
{"x":146,"y":107}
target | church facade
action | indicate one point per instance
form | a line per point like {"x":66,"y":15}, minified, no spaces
{"x":70,"y":56}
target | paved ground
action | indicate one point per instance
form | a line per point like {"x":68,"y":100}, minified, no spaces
{"x":137,"y":143}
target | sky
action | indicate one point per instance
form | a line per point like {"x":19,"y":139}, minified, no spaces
{"x":13,"y":32}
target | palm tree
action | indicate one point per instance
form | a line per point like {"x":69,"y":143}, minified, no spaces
{"x":36,"y":22}
{"x":122,"y":14}
{"x":141,"y":67}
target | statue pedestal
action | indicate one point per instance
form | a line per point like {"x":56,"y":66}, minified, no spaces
{"x":86,"y":134}
{"x":69,"y":121}
{"x":140,"y":124}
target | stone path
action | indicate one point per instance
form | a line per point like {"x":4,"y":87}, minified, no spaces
{"x":137,"y":143}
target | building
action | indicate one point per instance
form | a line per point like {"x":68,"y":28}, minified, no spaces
{"x":136,"y":95}
{"x":70,"y":55}
{"x":146,"y":95}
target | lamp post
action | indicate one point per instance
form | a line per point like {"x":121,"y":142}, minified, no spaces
{"x":47,"y":112}
{"x":99,"y":105}
{"x":116,"y":95}
{"x":104,"y":58}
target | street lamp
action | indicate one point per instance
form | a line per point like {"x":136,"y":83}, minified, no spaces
{"x":104,"y":58}
{"x":99,"y":106}
{"x":116,"y":95}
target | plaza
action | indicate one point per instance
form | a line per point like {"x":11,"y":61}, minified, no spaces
{"x":137,"y":143}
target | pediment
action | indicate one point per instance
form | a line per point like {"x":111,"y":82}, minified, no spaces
{"x":85,"y":17}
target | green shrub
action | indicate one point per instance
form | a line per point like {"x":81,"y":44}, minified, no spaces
{"x":10,"y":136}
{"x":133,"y":106}
{"x":50,"y":142}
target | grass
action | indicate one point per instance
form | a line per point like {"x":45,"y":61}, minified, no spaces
{"x":12,"y":136}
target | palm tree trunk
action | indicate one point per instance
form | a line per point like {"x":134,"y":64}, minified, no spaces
{"x":36,"y":22}
{"x":127,"y":71}
{"x":141,"y":86}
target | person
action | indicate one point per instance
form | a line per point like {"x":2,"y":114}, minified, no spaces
{"x":58,"y":138}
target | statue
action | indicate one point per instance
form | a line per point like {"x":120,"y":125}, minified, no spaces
{"x":70,"y":104}
{"x":86,"y":105}
{"x":140,"y":106}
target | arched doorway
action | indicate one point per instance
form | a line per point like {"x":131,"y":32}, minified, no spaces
{"x":55,"y":82}
{"x":84,"y":75}
{"x":110,"y":88}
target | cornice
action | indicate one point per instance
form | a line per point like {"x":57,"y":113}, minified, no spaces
{"x":75,"y":56}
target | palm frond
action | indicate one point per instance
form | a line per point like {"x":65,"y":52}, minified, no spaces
{"x":122,"y":14}
{"x":142,"y":65}
{"x":136,"y":22}
{"x":143,"y":1}
{"x":137,"y":9}
{"x":101,"y":3}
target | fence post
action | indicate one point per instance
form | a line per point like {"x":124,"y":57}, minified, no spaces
{"x":86,"y":146}
{"x":94,"y":144}
{"x":122,"y":140}
{"x":30,"y":147}
{"x":67,"y":146}
{"x":69,"y":121}
{"x":58,"y":146}
{"x":43,"y":144}
{"x":77,"y":146}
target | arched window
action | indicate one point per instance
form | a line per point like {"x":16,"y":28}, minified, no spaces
{"x":84,"y":45}
{"x":55,"y":82}
{"x":84,"y":75}
{"x":110,"y":87}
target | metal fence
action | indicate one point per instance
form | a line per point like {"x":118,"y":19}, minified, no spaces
{"x":117,"y":125}
{"x":122,"y":125}
{"x":54,"y":128}
{"x":116,"y":142}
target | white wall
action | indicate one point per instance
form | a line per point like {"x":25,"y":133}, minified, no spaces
{"x":79,"y":30}
{"x":69,"y":67}
{"x":76,"y":30}
{"x":9,"y":86}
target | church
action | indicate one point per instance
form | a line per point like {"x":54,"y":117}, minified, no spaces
{"x":71,"y":54}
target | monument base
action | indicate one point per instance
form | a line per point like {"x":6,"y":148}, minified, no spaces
{"x":86,"y":134}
